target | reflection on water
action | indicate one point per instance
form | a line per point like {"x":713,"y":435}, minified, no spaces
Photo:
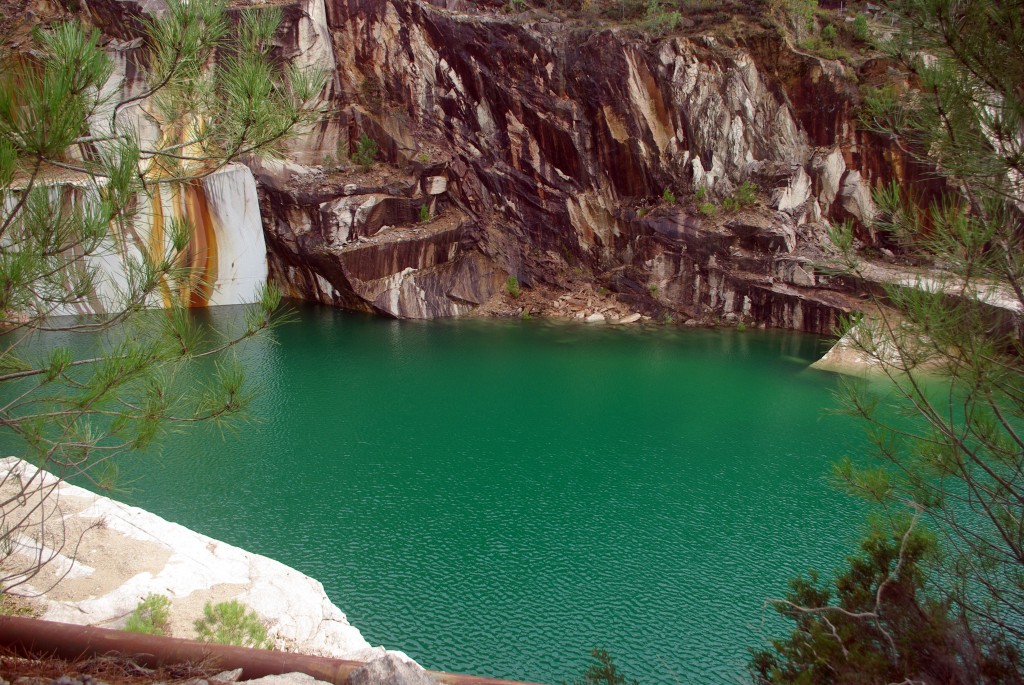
{"x":499,"y":497}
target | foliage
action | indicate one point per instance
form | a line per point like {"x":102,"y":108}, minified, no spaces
{"x":881,"y":104}
{"x":860,"y":27}
{"x":668,"y":196}
{"x":881,"y":626}
{"x":366,"y":151}
{"x":824,"y":49}
{"x":948,"y":423}
{"x":620,"y":10}
{"x":707,"y":208}
{"x":424,"y":214}
{"x":151,"y":616}
{"x":512,"y":287}
{"x":829,"y":34}
{"x":800,"y":15}
{"x":658,"y":21}
{"x":77,"y":169}
{"x":11,"y":605}
{"x":746,"y":194}
{"x":232,"y":623}
{"x":603,"y":672}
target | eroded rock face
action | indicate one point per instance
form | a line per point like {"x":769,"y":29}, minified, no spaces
{"x":540,"y":141}
{"x":396,"y":249}
{"x":553,"y":136}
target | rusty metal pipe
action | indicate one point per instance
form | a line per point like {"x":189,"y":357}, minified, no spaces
{"x":32,"y":637}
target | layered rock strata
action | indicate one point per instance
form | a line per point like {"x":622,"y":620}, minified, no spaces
{"x":557,"y":141}
{"x":542,"y":147}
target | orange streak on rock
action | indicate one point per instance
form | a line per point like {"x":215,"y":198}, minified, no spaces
{"x":202,"y":249}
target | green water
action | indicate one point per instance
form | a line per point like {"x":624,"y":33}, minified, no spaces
{"x":498,"y":498}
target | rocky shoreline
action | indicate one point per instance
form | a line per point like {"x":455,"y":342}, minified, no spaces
{"x":104,"y":557}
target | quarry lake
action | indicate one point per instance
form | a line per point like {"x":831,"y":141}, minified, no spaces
{"x":500,"y":497}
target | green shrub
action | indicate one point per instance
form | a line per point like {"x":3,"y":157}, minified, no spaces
{"x":801,"y":14}
{"x":708,"y":209}
{"x":860,"y":28}
{"x":829,"y":34}
{"x":730,"y":204}
{"x":700,"y":194}
{"x":232,"y":623}
{"x":668,"y":196}
{"x":746,"y":194}
{"x":657,"y":21}
{"x":424,"y":214}
{"x":825,"y":50}
{"x":884,"y":100}
{"x":741,"y":327}
{"x":11,"y":605}
{"x":512,"y":286}
{"x":641,"y":212}
{"x":151,"y":616}
{"x":653,"y":288}
{"x":366,"y":151}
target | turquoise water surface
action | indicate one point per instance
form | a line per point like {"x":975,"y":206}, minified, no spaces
{"x":498,"y":498}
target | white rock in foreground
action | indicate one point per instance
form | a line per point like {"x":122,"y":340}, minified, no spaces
{"x":126,"y":553}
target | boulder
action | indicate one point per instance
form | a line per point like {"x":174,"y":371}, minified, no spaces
{"x":389,"y":669}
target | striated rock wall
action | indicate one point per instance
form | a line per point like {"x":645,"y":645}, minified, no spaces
{"x":226,"y":252}
{"x":552,"y":137}
{"x":547,"y":145}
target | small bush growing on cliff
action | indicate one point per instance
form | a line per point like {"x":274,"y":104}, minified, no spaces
{"x":512,"y":287}
{"x":860,"y":28}
{"x":708,"y":208}
{"x":151,"y":616}
{"x":659,"y":21}
{"x":424,"y":214}
{"x":668,"y":196}
{"x":232,"y":623}
{"x":746,"y":194}
{"x":366,"y":151}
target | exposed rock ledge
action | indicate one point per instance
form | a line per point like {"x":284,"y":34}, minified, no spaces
{"x":125,"y":553}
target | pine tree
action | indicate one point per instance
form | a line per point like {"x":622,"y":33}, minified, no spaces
{"x":78,"y":163}
{"x":948,"y":425}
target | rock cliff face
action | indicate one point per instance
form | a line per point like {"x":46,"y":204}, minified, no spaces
{"x":226,"y":252}
{"x":554,"y":144}
{"x":529,"y":146}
